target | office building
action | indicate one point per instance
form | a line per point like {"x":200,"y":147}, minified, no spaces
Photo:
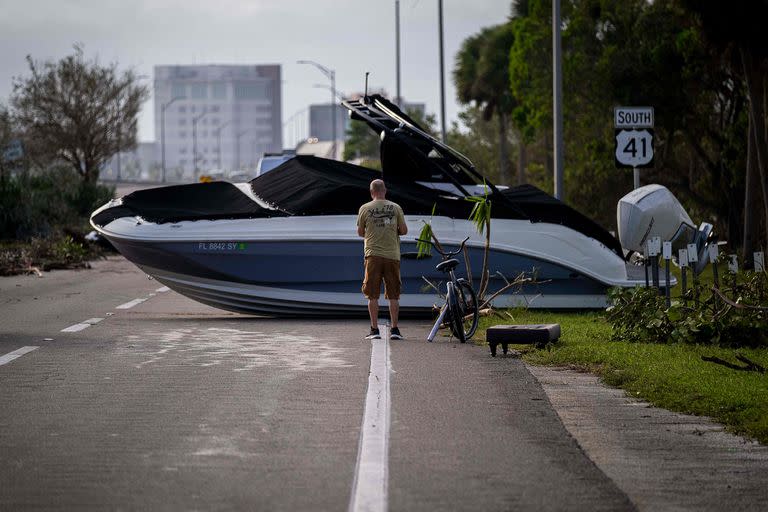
{"x":216,"y":117}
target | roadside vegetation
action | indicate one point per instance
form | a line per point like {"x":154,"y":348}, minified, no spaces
{"x":704,"y":357}
{"x":65,"y":119}
{"x":44,"y":220}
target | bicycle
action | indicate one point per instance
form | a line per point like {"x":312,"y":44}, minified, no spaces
{"x":460,"y":308}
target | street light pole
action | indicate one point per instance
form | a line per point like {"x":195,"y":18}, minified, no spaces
{"x":119,"y":133}
{"x":194,"y":141}
{"x":162,"y":131}
{"x":331,"y":74}
{"x":218,"y":142}
{"x":237,"y":146}
{"x":557,"y":100}
{"x":333,"y":112}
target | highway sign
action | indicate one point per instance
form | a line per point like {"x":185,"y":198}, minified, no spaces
{"x":633,"y":117}
{"x":634,"y":148}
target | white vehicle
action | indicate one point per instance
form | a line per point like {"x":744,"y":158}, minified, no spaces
{"x":271,"y":160}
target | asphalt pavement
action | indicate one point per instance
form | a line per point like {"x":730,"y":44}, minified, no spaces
{"x":148,"y":400}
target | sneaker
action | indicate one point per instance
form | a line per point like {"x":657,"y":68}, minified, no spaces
{"x":374,"y":334}
{"x":394,"y":334}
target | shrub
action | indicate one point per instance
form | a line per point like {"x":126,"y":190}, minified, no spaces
{"x":737,"y":317}
{"x":46,"y":203}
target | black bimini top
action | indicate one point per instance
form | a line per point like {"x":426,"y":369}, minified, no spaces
{"x":308,"y":185}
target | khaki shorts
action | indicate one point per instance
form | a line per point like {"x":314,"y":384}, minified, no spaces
{"x":376,"y":269}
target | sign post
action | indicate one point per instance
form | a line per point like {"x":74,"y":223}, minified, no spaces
{"x":759,"y":261}
{"x":682,"y":259}
{"x":693,"y":257}
{"x":666,"y":251}
{"x":733,"y":268}
{"x":633,"y":139}
{"x":714,"y":253}
{"x":654,"y":248}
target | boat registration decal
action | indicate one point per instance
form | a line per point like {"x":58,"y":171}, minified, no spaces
{"x":221,"y":246}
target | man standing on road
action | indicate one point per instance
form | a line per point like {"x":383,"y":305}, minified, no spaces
{"x":381,"y":223}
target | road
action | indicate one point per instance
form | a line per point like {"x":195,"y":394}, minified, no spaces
{"x":168,"y":404}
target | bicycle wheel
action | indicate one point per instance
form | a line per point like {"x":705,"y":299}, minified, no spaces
{"x":468,"y":302}
{"x":455,"y":314}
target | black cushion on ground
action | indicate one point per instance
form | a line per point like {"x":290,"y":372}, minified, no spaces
{"x":538,"y":333}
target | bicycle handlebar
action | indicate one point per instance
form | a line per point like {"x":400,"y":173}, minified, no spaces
{"x":445,"y":255}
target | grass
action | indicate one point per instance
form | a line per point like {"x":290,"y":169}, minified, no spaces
{"x":670,"y":376}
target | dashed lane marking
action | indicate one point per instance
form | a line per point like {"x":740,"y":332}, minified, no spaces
{"x":83,"y":325}
{"x":10,"y":356}
{"x":370,"y":487}
{"x":163,"y":289}
{"x":130,"y":304}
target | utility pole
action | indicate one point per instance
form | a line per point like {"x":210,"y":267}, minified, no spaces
{"x":442,"y":70}
{"x":398,"y":98}
{"x":557,"y":90}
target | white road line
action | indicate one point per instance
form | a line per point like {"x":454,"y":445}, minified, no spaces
{"x":10,"y":356}
{"x":369,"y":489}
{"x":83,"y":325}
{"x":129,"y":305}
{"x":76,"y":327}
{"x":163,"y":289}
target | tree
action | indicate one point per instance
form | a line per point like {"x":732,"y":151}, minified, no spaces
{"x":82,"y":112}
{"x":362,"y":143}
{"x":477,"y":139}
{"x":6,"y":134}
{"x":733,"y":29}
{"x":633,"y":52}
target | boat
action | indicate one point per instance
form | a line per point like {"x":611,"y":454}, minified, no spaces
{"x":285,"y":243}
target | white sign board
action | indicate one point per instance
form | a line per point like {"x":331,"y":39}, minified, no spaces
{"x":733,"y":264}
{"x":633,"y":117}
{"x":634,"y":136}
{"x":654,"y":246}
{"x":693,"y":253}
{"x":682,"y":258}
{"x":634,"y":148}
{"x":713,"y":253}
{"x":666,"y":250}
{"x":759,"y":262}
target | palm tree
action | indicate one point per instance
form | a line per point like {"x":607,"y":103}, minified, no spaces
{"x":481,"y":76}
{"x":481,"y":218}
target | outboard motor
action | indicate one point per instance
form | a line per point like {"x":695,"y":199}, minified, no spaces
{"x":651,"y":211}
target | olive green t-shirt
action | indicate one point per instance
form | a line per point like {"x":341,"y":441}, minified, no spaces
{"x":380,"y":219}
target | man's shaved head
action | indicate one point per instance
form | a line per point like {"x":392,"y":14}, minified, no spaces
{"x":378,"y":187}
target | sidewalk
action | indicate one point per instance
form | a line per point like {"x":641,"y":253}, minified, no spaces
{"x":661,"y":460}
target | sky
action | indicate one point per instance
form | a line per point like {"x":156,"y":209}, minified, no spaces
{"x":349,"y":36}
